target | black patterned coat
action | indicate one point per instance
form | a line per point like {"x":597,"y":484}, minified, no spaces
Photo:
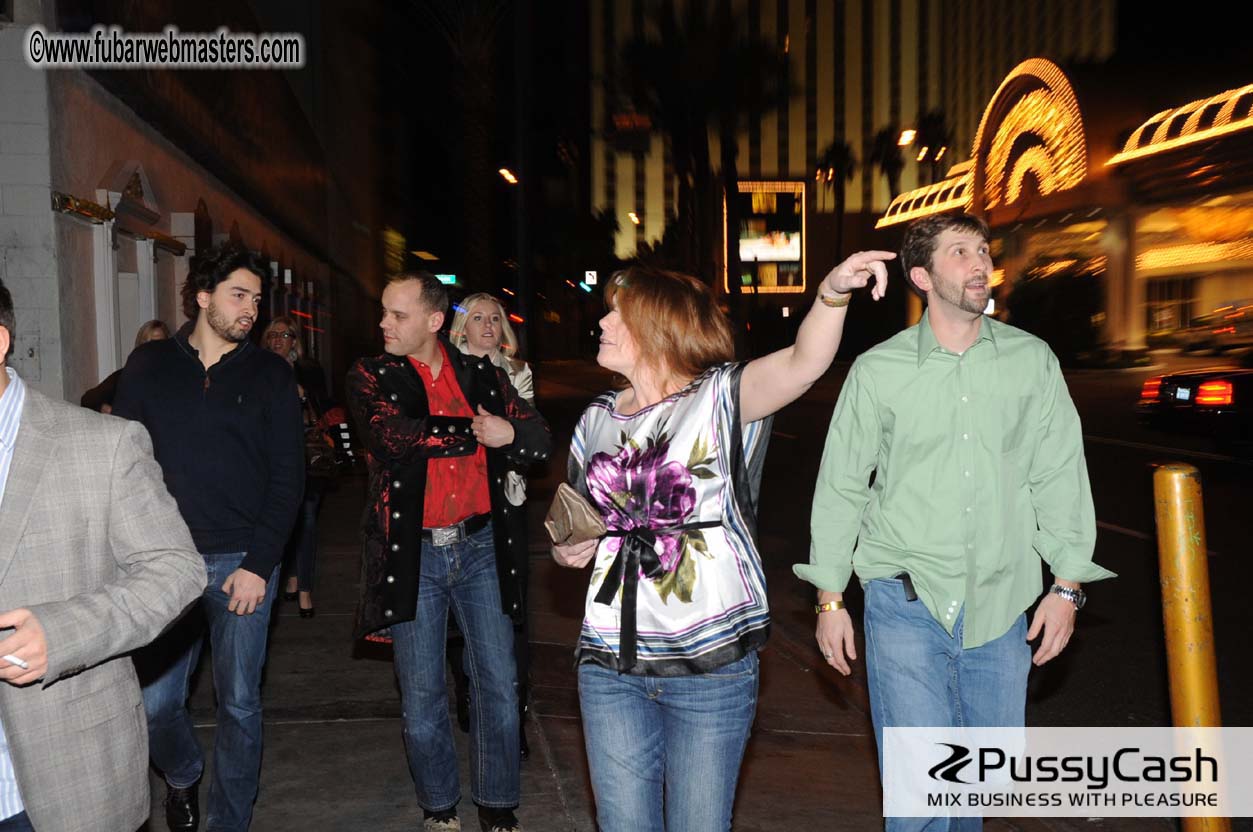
{"x":389,"y":404}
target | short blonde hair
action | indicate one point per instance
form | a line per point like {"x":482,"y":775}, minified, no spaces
{"x":674,"y":319}
{"x":292,"y":327}
{"x":461,"y":313}
{"x":145,"y":333}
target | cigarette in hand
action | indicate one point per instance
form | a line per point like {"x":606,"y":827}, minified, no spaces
{"x":12,"y":659}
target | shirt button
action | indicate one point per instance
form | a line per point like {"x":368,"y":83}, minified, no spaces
{"x":970,"y":545}
{"x":395,"y":547}
{"x":391,"y":579}
{"x":395,"y":515}
{"x":395,"y":483}
{"x":393,"y":397}
{"x":968,"y":473}
{"x":964,"y":398}
{"x":965,"y":436}
{"x":387,"y":613}
{"x":969,"y":509}
{"x":513,"y":571}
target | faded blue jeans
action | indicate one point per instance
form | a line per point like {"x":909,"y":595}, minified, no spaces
{"x":460,"y":577}
{"x":664,"y":751}
{"x":238,"y":653}
{"x":920,"y":676}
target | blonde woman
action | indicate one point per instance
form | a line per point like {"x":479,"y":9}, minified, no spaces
{"x":481,"y":327}
{"x":100,"y":397}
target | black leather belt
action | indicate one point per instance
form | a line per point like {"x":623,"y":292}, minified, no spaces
{"x":448,"y":535}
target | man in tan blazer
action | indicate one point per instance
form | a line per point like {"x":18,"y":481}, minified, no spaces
{"x":95,"y":561}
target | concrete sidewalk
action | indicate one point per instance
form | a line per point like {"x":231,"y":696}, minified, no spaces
{"x":333,"y":753}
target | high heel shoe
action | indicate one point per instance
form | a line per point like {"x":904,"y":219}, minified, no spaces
{"x":290,"y":596}
{"x":308,"y":612}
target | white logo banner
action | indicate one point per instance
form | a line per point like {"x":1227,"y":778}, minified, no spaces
{"x":1068,"y":772}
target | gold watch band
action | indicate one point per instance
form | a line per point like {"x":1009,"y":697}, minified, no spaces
{"x":829,"y":606}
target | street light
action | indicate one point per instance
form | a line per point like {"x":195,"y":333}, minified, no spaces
{"x":508,"y":176}
{"x":907,"y":138}
{"x":633,"y":217}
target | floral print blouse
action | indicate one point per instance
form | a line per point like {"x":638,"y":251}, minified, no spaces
{"x":679,"y":500}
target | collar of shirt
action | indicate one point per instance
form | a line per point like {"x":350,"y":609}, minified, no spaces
{"x":11,"y":409}
{"x":926,"y":336}
{"x":424,"y":370}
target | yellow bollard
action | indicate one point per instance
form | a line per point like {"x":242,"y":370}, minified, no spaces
{"x":1186,"y":607}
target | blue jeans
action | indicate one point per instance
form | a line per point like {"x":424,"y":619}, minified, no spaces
{"x":460,"y":576}
{"x":672,"y":739}
{"x":16,"y":823}
{"x":165,"y":667}
{"x":921,"y":676}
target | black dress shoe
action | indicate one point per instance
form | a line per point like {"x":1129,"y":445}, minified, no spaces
{"x":290,"y":596}
{"x":182,"y":808}
{"x":308,"y":612}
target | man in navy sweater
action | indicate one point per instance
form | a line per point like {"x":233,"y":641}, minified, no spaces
{"x":225,"y":421}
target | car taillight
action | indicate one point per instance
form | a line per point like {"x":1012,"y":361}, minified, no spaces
{"x":1214,"y":393}
{"x":1153,"y":386}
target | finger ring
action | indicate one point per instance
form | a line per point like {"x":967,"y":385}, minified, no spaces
{"x":826,"y":655}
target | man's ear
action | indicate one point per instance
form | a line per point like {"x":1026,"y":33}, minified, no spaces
{"x":6,"y":341}
{"x":921,"y":278}
{"x":203,"y":298}
{"x":435,"y":321}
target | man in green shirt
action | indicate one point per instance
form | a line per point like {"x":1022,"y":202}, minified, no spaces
{"x":979,"y":474}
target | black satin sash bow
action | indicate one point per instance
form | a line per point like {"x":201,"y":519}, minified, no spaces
{"x":638,"y":551}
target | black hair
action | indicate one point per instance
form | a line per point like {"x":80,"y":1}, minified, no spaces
{"x":7,"y":319}
{"x":215,"y":264}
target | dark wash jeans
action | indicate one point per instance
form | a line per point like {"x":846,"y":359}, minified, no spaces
{"x":165,"y":668}
{"x":460,"y":577}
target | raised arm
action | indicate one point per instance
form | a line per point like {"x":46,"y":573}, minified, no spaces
{"x":777,"y":379}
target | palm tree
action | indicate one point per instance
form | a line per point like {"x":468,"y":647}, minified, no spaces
{"x":885,"y":154}
{"x":469,"y":28}
{"x":836,"y":168}
{"x":934,"y":139}
{"x":702,"y":72}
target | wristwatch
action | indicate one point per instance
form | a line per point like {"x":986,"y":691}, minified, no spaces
{"x":1075,"y":596}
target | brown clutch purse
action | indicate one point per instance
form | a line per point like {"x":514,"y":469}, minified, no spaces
{"x":572,"y":519}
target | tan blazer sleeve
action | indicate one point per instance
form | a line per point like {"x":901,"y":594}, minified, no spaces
{"x":159,"y":572}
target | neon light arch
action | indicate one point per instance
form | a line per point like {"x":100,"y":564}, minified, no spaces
{"x":1032,"y":125}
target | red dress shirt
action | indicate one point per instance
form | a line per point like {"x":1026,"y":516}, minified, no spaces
{"x":456,"y":486}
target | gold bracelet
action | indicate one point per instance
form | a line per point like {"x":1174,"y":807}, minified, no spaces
{"x":830,"y":606}
{"x":835,"y":300}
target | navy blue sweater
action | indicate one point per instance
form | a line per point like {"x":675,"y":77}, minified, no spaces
{"x":230,"y":442}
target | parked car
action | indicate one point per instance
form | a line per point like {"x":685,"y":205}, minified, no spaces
{"x":1228,"y":327}
{"x":1216,"y":402}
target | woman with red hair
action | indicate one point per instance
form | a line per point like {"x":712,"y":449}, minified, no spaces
{"x":676,"y":608}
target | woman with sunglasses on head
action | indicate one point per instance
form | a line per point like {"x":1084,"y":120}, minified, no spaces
{"x":282,"y":337}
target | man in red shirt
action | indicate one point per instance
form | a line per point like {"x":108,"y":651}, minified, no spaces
{"x":442,"y":430}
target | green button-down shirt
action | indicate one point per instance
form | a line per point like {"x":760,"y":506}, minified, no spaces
{"x":979,"y":473}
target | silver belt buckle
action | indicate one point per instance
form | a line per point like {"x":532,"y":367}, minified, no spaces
{"x":445,"y":535}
